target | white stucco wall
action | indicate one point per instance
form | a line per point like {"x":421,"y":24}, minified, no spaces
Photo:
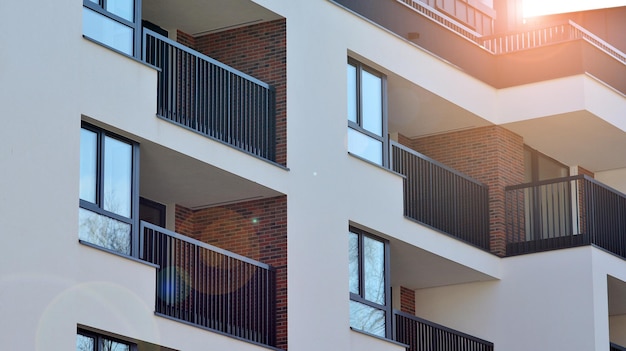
{"x":615,"y":178}
{"x":49,"y":283}
{"x":548,"y":301}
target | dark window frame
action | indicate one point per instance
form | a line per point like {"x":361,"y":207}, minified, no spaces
{"x":97,"y":207}
{"x":135,"y":25}
{"x":358,"y":126}
{"x":387,"y":308}
{"x":98,"y":337}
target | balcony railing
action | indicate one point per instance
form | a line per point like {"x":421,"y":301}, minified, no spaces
{"x":209,"y":287}
{"x":422,"y":335}
{"x":443,"y":198}
{"x":212,"y":98}
{"x":538,"y":37}
{"x":565,"y":212}
{"x":616,"y":347}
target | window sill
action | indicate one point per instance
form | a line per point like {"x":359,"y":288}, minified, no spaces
{"x":135,"y":259}
{"x":380,"y":338}
{"x":376,"y":164}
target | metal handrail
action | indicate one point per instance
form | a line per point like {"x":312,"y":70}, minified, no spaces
{"x":424,"y":335}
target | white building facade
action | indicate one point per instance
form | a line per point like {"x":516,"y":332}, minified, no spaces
{"x":311,"y":175}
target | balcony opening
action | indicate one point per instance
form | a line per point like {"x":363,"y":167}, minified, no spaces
{"x":221,"y":246}
{"x":384,"y":274}
{"x":222,"y":75}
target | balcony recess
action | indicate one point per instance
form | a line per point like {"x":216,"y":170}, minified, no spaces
{"x":211,"y":98}
{"x":443,"y":198}
{"x":210,"y":287}
{"x":565,"y":212}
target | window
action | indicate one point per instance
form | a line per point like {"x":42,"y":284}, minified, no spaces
{"x":367,"y":120}
{"x":107,"y":190}
{"x":538,"y":167}
{"x":548,"y":207}
{"x":370,"y":301}
{"x":88,"y":341}
{"x":113,"y":23}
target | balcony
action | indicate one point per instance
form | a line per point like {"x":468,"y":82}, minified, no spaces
{"x":209,"y":287}
{"x":422,"y":335}
{"x":223,"y":258}
{"x":211,"y":98}
{"x":442,"y":198}
{"x":565,"y":212}
{"x":453,"y":31}
{"x":615,"y":347}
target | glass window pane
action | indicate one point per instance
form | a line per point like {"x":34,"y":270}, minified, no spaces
{"x":88,"y":164}
{"x":118,"y":165}
{"x":84,"y":343}
{"x":122,"y":8}
{"x":352,"y":93}
{"x":371,"y":90}
{"x":103,"y":231}
{"x":110,"y":345}
{"x":367,"y":319}
{"x":365,"y":146}
{"x":353,"y":243}
{"x":374,"y":270}
{"x":107,"y":31}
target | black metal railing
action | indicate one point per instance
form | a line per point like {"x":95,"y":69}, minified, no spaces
{"x":565,"y":212}
{"x":423,"y":335}
{"x":441,"y":197}
{"x":212,"y":98}
{"x":616,"y":347}
{"x":210,"y":287}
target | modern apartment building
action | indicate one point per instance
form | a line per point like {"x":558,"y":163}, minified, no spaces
{"x":311,"y":175}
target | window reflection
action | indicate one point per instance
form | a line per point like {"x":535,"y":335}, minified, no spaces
{"x":88,"y":168}
{"x":117,"y":176}
{"x":122,"y":8}
{"x":367,"y":319}
{"x":374,"y":270}
{"x":104,"y":231}
{"x":369,"y":301}
{"x":352,"y":98}
{"x":107,"y":31}
{"x":371,"y":91}
{"x":367,"y":136}
{"x":354,"y":262}
{"x":365,"y":146}
{"x":84,"y":343}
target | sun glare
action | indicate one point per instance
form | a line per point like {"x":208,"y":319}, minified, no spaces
{"x":533,"y":8}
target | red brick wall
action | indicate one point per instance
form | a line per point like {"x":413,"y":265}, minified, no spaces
{"x":186,"y":39}
{"x":255,"y":229}
{"x":259,"y":50}
{"x":492,"y":155}
{"x":407,"y":300}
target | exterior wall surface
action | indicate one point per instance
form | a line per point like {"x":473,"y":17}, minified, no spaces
{"x":50,"y":283}
{"x":260,"y":51}
{"x":545,"y":301}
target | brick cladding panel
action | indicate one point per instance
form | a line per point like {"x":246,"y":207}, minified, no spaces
{"x":259,"y":50}
{"x":407,"y":300}
{"x":255,"y":229}
{"x":492,"y":155}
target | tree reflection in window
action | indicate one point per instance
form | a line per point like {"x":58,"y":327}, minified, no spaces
{"x":369,"y":305}
{"x":106,"y":190}
{"x":88,"y":341}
